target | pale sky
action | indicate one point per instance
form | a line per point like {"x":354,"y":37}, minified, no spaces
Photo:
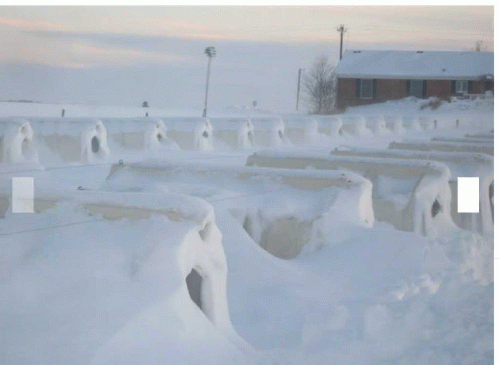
{"x":124,"y":55}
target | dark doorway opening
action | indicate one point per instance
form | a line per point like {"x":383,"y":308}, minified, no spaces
{"x":95,"y":144}
{"x":194,"y":284}
{"x":435,"y":208}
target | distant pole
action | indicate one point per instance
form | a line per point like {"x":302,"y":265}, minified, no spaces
{"x":210,"y":52}
{"x":342,"y":30}
{"x":298,"y":89}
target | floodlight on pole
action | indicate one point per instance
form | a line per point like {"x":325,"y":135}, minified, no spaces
{"x":210,"y":52}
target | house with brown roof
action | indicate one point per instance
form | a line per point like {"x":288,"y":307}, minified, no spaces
{"x":366,"y":77}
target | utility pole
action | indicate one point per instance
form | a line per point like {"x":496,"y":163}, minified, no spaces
{"x":342,"y":30}
{"x":298,"y":90}
{"x":210,"y":52}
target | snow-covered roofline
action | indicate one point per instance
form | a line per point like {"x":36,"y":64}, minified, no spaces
{"x":436,"y":65}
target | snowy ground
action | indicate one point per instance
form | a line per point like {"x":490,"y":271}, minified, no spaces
{"x":110,"y":290}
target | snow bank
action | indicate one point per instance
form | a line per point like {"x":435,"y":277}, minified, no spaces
{"x":150,"y":277}
{"x":16,"y":142}
{"x":404,"y":191}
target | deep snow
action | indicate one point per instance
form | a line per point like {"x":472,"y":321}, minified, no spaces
{"x":112,"y":290}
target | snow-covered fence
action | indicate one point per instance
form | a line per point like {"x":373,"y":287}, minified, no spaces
{"x":138,"y":133}
{"x":308,"y":130}
{"x":411,"y":195}
{"x":282,"y":210}
{"x":149,"y":248}
{"x":461,"y":164}
{"x":443,"y":146}
{"x":71,"y":139}
{"x":16,"y":141}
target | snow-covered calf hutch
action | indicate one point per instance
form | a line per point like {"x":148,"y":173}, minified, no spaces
{"x":366,"y":77}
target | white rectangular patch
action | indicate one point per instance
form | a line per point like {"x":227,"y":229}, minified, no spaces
{"x":468,"y":194}
{"x":23,"y":195}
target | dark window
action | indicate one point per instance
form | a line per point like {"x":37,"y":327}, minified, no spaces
{"x":416,"y":88}
{"x":366,"y":89}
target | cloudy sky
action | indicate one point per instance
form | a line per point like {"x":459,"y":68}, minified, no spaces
{"x":125,"y":55}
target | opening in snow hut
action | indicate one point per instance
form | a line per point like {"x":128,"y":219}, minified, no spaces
{"x":435,"y":208}
{"x":95,"y":144}
{"x":194,"y":285}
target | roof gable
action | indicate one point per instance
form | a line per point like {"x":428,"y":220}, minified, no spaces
{"x":439,"y":65}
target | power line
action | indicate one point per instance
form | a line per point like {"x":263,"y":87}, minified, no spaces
{"x":51,"y":227}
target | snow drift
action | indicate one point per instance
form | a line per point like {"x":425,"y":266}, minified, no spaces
{"x":269,"y":203}
{"x":125,"y":286}
{"x":411,"y":195}
{"x":461,"y":165}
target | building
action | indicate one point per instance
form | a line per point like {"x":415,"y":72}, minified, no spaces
{"x":366,"y":77}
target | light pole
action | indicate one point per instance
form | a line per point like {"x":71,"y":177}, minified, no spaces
{"x":298,"y":89}
{"x":210,"y":52}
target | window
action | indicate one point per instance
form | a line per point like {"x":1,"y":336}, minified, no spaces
{"x":461,"y":87}
{"x":366,"y":89}
{"x":416,"y":88}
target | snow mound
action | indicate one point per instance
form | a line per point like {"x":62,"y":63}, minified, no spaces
{"x":137,"y":283}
